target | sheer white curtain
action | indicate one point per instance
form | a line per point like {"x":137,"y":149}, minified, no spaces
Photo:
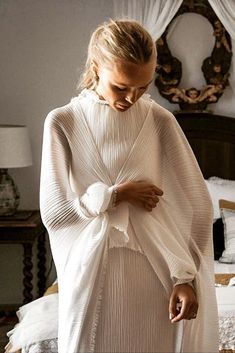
{"x":225,"y":11}
{"x":154,"y":15}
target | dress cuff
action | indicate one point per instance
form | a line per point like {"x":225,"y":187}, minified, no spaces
{"x":191,"y":283}
{"x":97,"y":198}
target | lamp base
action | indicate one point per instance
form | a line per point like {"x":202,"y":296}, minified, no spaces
{"x":9,"y":194}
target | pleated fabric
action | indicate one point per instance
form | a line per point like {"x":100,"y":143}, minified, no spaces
{"x":134,"y":308}
{"x":88,"y":148}
{"x":134,"y":311}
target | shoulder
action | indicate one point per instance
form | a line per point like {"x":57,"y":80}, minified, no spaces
{"x":61,"y":117}
{"x":161,"y":114}
{"x":162,"y":117}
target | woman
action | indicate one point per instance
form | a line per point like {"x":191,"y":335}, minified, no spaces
{"x":127,"y":211}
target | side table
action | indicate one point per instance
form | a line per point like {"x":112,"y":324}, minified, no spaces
{"x":24,"y":228}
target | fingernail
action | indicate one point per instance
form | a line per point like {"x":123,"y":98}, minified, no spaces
{"x":171,"y":316}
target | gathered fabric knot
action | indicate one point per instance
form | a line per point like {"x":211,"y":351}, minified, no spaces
{"x":97,"y":200}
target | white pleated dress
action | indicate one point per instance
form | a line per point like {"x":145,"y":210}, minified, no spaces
{"x":116,"y":267}
{"x":134,"y":309}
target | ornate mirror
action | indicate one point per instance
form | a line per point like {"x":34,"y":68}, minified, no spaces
{"x":215,"y":68}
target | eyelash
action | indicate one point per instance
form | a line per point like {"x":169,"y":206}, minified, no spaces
{"x":120,"y":89}
{"x":124,"y":89}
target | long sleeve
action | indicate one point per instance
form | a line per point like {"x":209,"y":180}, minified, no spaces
{"x":59,"y":205}
{"x":187,"y":179}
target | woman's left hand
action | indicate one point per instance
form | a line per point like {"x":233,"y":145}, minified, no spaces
{"x":183,"y":303}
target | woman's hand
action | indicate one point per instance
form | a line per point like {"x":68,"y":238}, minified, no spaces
{"x":139,"y":193}
{"x":183,"y":303}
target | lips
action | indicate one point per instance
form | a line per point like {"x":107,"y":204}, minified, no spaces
{"x":123,"y":106}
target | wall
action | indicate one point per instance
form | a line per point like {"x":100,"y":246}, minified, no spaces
{"x":43,"y":50}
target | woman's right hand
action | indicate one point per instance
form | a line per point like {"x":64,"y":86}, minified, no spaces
{"x":139,"y":193}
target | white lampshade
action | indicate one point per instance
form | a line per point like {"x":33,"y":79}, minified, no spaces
{"x":15,"y":150}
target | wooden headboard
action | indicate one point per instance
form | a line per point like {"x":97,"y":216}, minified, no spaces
{"x":212,"y":138}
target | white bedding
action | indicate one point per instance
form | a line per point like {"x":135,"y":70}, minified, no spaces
{"x":224,"y":268}
{"x":226,"y":308}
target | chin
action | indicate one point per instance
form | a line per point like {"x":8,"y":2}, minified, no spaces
{"x":122,"y":107}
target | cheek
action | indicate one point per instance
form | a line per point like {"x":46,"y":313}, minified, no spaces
{"x":116,"y":96}
{"x":108,"y":91}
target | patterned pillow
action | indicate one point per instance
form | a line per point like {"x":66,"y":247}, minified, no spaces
{"x":227,"y":209}
{"x":220,"y":189}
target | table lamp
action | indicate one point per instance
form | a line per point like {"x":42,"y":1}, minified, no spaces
{"x":15,"y":152}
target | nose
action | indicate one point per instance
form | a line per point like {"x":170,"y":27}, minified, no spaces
{"x":131,"y":97}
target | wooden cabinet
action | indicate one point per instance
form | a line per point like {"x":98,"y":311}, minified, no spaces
{"x":26,"y":227}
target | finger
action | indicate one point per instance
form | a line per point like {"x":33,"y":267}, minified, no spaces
{"x":152,"y":195}
{"x":148,"y":199}
{"x":193,"y":311}
{"x":149,"y":187}
{"x":155,"y":198}
{"x":157,"y":190}
{"x":152,"y":192}
{"x":189,"y":314}
{"x":183,"y":312}
{"x":151,"y":203}
{"x":172,"y":307}
{"x":148,"y":207}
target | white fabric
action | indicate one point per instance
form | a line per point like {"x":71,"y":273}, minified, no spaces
{"x":221,"y":181}
{"x":24,"y":334}
{"x":224,"y":268}
{"x":227,"y":333}
{"x":225,"y":11}
{"x":129,"y":315}
{"x":226,"y":300}
{"x":38,"y":321}
{"x":228,"y":217}
{"x":226,"y":307}
{"x":154,"y":15}
{"x":176,"y":236}
{"x":46,"y":328}
{"x":225,"y":296}
{"x":220,"y":191}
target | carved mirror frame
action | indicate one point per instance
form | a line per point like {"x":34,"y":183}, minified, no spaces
{"x":215,"y":68}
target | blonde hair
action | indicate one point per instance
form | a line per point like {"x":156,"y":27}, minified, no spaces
{"x":123,"y":39}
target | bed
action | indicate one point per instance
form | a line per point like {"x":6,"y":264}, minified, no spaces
{"x":212,"y":138}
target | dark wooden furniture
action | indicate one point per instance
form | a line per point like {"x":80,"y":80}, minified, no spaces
{"x":215,"y":67}
{"x":24,"y":228}
{"x":212,"y":138}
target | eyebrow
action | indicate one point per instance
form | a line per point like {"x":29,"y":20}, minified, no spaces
{"x":122,"y":84}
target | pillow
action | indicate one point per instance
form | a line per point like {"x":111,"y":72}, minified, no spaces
{"x":227,"y":209}
{"x":218,"y":238}
{"x":220,"y":181}
{"x":220,"y":189}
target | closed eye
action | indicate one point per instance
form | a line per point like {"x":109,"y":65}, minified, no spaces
{"x":120,"y":88}
{"x":125,"y":89}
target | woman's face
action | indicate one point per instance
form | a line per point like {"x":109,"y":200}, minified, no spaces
{"x":123,"y":83}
